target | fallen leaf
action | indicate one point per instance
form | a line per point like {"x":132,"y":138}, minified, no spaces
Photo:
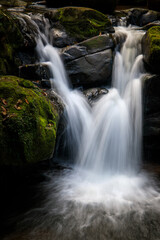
{"x":44,"y":93}
{"x":9,"y":116}
{"x":17,"y":107}
{"x":26,"y":101}
{"x":4,"y":111}
{"x":4,"y":101}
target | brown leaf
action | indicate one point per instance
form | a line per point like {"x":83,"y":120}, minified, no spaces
{"x":4,"y":111}
{"x":10,"y":116}
{"x":44,"y":93}
{"x":4,"y":101}
{"x":26,"y":101}
{"x":17,"y":107}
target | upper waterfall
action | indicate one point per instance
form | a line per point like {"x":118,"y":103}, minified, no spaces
{"x":107,"y":138}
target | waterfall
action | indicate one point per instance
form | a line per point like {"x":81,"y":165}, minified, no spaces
{"x":107,"y":138}
{"x":113,"y":142}
{"x":105,"y":195}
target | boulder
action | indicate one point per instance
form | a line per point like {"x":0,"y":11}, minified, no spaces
{"x":89,"y":63}
{"x":28,"y":123}
{"x":151,"y":49}
{"x":91,"y":70}
{"x":11,"y":40}
{"x":151,"y":116}
{"x":79,"y":23}
{"x":94,"y":94}
{"x":37,"y":71}
{"x":107,"y":6}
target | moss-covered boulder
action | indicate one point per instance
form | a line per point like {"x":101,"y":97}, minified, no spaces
{"x":151,"y":49}
{"x":79,"y":22}
{"x":28,"y":123}
{"x":11,"y":39}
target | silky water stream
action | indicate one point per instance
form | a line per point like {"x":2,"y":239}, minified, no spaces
{"x":105,"y":194}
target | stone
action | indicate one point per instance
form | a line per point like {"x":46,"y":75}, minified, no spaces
{"x":80,"y":23}
{"x":91,"y":70}
{"x":151,"y":118}
{"x":38,"y":71}
{"x":28,"y":123}
{"x":94,"y":93}
{"x":151,"y":49}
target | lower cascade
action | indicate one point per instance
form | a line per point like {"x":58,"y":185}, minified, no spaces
{"x":105,"y":194}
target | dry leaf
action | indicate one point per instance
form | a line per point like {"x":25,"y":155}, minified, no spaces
{"x":44,"y":93}
{"x":26,"y":101}
{"x":17,"y":107}
{"x":4,"y":111}
{"x":4,"y":101}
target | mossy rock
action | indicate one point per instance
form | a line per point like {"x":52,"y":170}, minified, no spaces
{"x":151,"y":48}
{"x":11,"y":39}
{"x":81,"y":23}
{"x":13,"y":3}
{"x":28,"y":123}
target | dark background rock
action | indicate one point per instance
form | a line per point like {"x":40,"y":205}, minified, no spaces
{"x":151,"y":118}
{"x":107,"y":6}
{"x":154,"y":5}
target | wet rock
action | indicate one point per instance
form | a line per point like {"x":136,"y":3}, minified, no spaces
{"x":37,"y":71}
{"x":91,"y":70}
{"x":60,"y":38}
{"x":151,"y":127}
{"x":152,"y":24}
{"x":149,"y":17}
{"x":135,"y":16}
{"x":79,"y":23}
{"x":94,"y":93}
{"x":90,"y":62}
{"x":151,"y":49}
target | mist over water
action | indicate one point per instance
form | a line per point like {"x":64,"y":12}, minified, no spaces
{"x":105,"y":195}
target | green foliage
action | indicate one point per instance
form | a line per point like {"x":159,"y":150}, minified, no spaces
{"x":82,"y":22}
{"x":28,"y":123}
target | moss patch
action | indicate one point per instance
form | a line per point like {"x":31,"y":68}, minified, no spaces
{"x":153,"y":47}
{"x":82,"y":22}
{"x":11,"y":39}
{"x":28,"y":123}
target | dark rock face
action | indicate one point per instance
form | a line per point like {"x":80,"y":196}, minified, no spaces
{"x":151,"y":128}
{"x":107,"y":6}
{"x":141,"y":17}
{"x":89,"y":63}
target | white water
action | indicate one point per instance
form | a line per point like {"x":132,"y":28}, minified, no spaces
{"x":105,"y":191}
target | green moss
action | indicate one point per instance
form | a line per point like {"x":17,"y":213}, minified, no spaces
{"x":28,"y":123}
{"x":93,"y":43}
{"x":153,"y":36}
{"x":11,"y":39}
{"x":82,"y":22}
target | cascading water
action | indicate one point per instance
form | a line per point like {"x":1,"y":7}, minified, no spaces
{"x":104,"y":196}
